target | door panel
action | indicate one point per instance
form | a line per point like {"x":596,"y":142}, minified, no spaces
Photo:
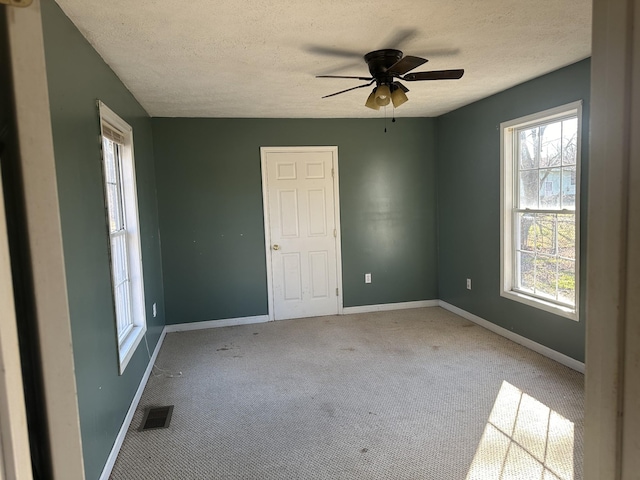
{"x":317,"y":213}
{"x":291,"y":280}
{"x":301,"y":222}
{"x":288,"y":210}
{"x":319,"y":274}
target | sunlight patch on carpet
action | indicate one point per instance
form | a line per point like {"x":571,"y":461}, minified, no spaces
{"x":523,"y":439}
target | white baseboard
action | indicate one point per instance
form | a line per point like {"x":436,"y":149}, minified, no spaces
{"x":111,"y":460}
{"x":390,"y":306}
{"x":525,"y":342}
{"x":227,"y":322}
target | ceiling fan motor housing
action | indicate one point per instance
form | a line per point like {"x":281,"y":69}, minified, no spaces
{"x":379,"y":61}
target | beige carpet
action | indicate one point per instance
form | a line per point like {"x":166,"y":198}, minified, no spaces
{"x":409,"y":394}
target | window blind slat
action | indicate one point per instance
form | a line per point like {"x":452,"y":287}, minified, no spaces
{"x":112,"y":133}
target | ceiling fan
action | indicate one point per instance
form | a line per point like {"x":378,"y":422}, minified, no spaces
{"x":387,"y":67}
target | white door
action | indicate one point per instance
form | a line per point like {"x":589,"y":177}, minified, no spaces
{"x":301,"y":228}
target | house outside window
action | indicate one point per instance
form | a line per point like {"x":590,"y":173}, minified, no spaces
{"x":125,"y":253}
{"x":540,"y":209}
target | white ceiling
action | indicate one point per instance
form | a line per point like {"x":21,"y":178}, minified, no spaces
{"x":258,"y":58}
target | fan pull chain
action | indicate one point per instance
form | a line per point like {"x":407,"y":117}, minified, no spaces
{"x":385,"y":119}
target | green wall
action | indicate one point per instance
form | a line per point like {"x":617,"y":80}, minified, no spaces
{"x":210,"y":204}
{"x":420,"y":238}
{"x":468,"y":175}
{"x":77,"y":77}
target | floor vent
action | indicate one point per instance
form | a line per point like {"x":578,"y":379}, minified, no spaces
{"x":156,"y":417}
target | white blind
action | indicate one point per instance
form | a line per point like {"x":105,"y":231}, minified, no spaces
{"x":112,"y":133}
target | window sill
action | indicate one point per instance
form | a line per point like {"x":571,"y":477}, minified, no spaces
{"x":128,"y":347}
{"x":566,"y":312}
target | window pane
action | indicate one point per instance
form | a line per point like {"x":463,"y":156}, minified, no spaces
{"x":567,"y":281}
{"x":120,"y":308}
{"x":118,"y":259}
{"x":113,"y":207}
{"x":525,"y":278}
{"x":551,"y":145}
{"x":109,"y":160}
{"x":550,"y":188}
{"x":526,"y":232}
{"x":569,"y":141}
{"x":121,"y":283}
{"x":569,"y":187}
{"x":115,"y":269}
{"x":529,"y":148}
{"x":567,"y":236}
{"x":528,"y":189}
{"x":546,"y":276}
{"x":545,"y":233}
{"x":123,"y":312}
{"x":113,"y":185}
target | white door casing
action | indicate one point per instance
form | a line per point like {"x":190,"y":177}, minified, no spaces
{"x":42,"y":215}
{"x":612,"y":386}
{"x":15,"y":459}
{"x":302,"y":234}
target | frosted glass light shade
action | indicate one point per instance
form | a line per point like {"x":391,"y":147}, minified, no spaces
{"x":398,"y":97}
{"x":383,"y":95}
{"x":371,"y":101}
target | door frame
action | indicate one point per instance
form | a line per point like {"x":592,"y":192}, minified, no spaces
{"x":612,"y":385}
{"x":37,"y":164}
{"x":267,"y":231}
{"x":15,"y":459}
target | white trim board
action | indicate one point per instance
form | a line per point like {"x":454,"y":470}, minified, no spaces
{"x":226,"y":322}
{"x":111,"y":459}
{"x":41,"y":214}
{"x":15,"y":459}
{"x":383,"y":307}
{"x":514,"y":337}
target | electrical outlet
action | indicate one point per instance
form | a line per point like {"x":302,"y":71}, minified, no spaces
{"x":468,"y":284}
{"x":367,"y":278}
{"x":155,"y":310}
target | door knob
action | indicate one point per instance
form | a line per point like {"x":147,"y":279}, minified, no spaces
{"x":276,"y":247}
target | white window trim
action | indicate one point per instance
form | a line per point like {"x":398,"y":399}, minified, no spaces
{"x":506,"y":208}
{"x":128,"y":346}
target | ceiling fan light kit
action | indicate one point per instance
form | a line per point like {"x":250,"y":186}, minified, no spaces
{"x":383,"y":95}
{"x":398,"y":97}
{"x":371,"y":100}
{"x":385,"y":66}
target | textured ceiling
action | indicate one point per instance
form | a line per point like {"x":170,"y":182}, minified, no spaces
{"x":244,"y":58}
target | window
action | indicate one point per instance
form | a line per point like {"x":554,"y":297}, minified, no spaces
{"x":124,"y":232}
{"x":540,"y":211}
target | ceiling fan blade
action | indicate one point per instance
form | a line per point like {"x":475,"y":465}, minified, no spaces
{"x":399,"y":38}
{"x":349,"y":89}
{"x":434,"y":75}
{"x":401,"y":87}
{"x":334,"y":52}
{"x":343,"y":76}
{"x":405,"y":64}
